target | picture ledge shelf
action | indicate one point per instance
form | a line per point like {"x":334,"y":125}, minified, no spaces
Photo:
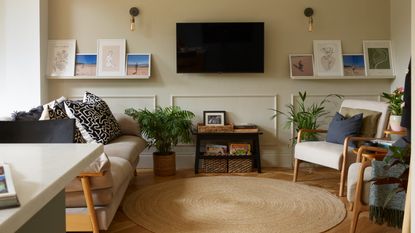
{"x":99,"y":77}
{"x":344,"y":77}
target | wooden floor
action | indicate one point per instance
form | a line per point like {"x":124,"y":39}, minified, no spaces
{"x":321,"y":177}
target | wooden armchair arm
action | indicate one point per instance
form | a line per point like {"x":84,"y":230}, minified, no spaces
{"x":301,"y":131}
{"x":371,"y":152}
{"x":91,"y":174}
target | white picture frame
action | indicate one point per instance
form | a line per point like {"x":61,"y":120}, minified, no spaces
{"x":111,"y":57}
{"x":328,"y":57}
{"x":61,"y":58}
{"x":301,"y":65}
{"x":138,"y":65}
{"x":378,"y":57}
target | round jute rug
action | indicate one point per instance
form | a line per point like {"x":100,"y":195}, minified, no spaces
{"x":233,"y":204}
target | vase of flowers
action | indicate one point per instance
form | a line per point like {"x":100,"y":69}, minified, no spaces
{"x":395,"y":100}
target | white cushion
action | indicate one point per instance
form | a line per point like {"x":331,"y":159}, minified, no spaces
{"x":45,"y":112}
{"x":353,"y":176}
{"x":320,"y":152}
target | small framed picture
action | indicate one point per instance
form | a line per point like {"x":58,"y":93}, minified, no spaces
{"x":328,"y":57}
{"x":138,"y":64}
{"x":214,"y":118}
{"x":301,"y":65}
{"x":111,"y":57}
{"x":61,"y":57}
{"x":86,"y":64}
{"x":353,"y":65}
{"x":378,"y":57}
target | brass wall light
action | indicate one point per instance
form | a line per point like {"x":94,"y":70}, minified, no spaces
{"x":308,"y":12}
{"x":133,"y":12}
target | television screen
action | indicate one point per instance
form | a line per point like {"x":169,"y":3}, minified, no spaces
{"x":220,"y":47}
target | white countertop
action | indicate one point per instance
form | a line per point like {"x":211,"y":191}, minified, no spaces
{"x":40,"y":172}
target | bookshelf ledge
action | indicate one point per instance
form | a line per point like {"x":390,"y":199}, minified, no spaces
{"x":344,"y":77}
{"x":99,"y":77}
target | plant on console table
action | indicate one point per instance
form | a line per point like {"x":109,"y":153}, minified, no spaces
{"x":164,"y":128}
{"x":395,"y":101}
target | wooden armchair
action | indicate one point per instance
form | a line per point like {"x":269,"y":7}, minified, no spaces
{"x":339,"y":156}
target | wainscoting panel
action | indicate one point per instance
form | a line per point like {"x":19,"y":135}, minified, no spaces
{"x":239,"y":109}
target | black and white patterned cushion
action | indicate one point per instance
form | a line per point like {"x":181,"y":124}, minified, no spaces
{"x":96,"y":119}
{"x":57,"y":113}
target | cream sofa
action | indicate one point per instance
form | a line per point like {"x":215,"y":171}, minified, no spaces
{"x":108,"y":179}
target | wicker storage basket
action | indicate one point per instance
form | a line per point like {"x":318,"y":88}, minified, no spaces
{"x":239,"y":165}
{"x":215,"y":165}
{"x":214,"y":129}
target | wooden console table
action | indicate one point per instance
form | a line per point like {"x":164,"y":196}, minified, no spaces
{"x":230,"y":138}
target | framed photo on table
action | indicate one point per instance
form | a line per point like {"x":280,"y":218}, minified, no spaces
{"x":138,"y":64}
{"x":111,"y":57}
{"x":214,"y":118}
{"x":86,"y":64}
{"x":328,"y":57}
{"x":378,"y":57}
{"x":354,"y":65}
{"x":301,"y":65}
{"x":61,"y":57}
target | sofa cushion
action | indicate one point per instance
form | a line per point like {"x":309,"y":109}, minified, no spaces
{"x":57,"y":113}
{"x":95,"y":121}
{"x":127,"y":124}
{"x":45,"y":113}
{"x":127,"y":147}
{"x":370,"y":120}
{"x":120,"y":171}
{"x":32,"y":115}
{"x":341,"y":127}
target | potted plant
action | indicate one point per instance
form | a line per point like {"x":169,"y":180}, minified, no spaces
{"x":164,"y":128}
{"x":305,"y":117}
{"x":395,"y":100}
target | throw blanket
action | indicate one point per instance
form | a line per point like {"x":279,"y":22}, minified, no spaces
{"x":392,"y":213}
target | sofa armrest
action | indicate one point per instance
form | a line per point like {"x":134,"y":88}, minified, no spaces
{"x":127,"y":124}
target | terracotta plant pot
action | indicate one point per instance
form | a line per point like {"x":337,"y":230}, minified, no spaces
{"x":395,"y":122}
{"x":164,"y":164}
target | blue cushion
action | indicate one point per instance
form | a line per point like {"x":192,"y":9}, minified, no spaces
{"x":341,"y":127}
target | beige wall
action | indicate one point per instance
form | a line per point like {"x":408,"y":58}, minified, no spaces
{"x":401,"y":38}
{"x":285,"y":32}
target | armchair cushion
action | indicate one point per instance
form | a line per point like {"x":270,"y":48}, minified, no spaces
{"x":341,"y":127}
{"x":370,"y":120}
{"x":353,"y":176}
{"x":324,"y":153}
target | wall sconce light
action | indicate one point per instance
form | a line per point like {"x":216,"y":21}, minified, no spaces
{"x":133,"y":12}
{"x":308,"y":12}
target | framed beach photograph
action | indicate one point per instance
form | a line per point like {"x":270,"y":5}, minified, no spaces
{"x":138,"y":64}
{"x":86,"y":64}
{"x":378,"y":57}
{"x":301,"y":65}
{"x":61,"y":57}
{"x":328,"y":57}
{"x":214,"y":118}
{"x":354,"y":65}
{"x":111,"y":57}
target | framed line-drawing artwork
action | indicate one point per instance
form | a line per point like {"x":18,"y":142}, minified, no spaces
{"x":61,"y":57}
{"x":353,"y":65}
{"x":301,"y":65}
{"x":214,"y":118}
{"x":378,"y":57}
{"x":111,"y":57}
{"x":328,"y":57}
{"x":138,"y":64}
{"x":86,"y":64}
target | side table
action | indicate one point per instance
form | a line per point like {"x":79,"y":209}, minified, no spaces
{"x":228,"y":138}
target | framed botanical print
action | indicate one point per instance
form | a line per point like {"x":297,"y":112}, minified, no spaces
{"x":111,"y":57}
{"x":328,"y":57}
{"x":61,"y":57}
{"x":378,"y":57}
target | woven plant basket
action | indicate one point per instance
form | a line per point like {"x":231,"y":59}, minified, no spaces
{"x":164,"y":165}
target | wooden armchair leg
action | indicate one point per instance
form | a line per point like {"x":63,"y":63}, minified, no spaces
{"x":86,"y":186}
{"x":296,"y":165}
{"x":355,"y":217}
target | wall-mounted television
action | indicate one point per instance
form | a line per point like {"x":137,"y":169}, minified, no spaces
{"x":226,"y":47}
